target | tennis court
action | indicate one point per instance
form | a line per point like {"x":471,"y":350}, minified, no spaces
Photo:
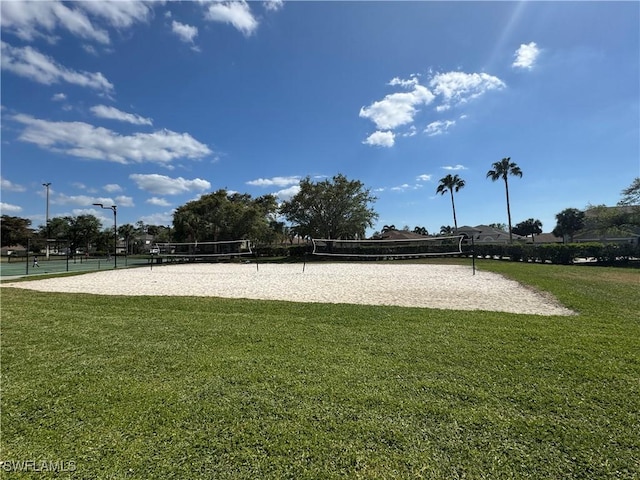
{"x":20,"y":267}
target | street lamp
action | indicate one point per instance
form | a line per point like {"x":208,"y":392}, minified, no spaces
{"x":47,"y":185}
{"x":115,"y":231}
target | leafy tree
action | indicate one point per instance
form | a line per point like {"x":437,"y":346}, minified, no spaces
{"x":631,"y":194}
{"x":279,"y":231}
{"x":499,"y":226}
{"x":14,"y":230}
{"x":141,"y":228}
{"x":220,"y":216}
{"x":528,"y":227}
{"x":618,"y":219}
{"x":103,"y":241}
{"x":163,"y":233}
{"x":336,"y":208}
{"x":82,"y":231}
{"x":451,"y":183}
{"x":503,"y":169}
{"x":569,"y":221}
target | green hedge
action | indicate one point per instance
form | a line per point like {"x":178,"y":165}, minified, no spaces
{"x":560,"y":253}
{"x":556,"y":253}
{"x":282,"y":250}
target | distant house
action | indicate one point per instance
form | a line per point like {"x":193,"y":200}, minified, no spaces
{"x":144,"y":243}
{"x":487,"y":234}
{"x":545,"y":238}
{"x":15,"y":250}
{"x":621,"y":233}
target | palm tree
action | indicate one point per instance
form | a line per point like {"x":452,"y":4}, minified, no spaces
{"x":127,"y":231}
{"x":450,"y":184}
{"x":503,"y":169}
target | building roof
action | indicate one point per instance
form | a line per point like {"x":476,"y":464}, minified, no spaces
{"x":486,"y":233}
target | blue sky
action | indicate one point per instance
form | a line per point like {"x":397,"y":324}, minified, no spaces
{"x":149,"y":105}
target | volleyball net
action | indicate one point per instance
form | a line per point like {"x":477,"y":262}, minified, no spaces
{"x":399,"y":248}
{"x":202,"y":250}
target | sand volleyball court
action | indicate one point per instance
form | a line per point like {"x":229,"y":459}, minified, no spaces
{"x":408,"y":285}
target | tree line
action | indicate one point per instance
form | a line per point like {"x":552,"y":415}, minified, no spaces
{"x":331,"y":208}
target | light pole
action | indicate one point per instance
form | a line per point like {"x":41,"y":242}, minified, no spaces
{"x":47,"y":185}
{"x":115,"y":231}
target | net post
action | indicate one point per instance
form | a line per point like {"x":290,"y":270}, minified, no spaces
{"x":255,"y":254}
{"x":473,"y":255}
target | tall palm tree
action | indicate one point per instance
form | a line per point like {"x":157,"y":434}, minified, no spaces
{"x":450,"y":184}
{"x":503,"y":169}
{"x":127,"y":231}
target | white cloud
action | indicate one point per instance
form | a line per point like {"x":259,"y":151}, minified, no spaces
{"x":439,"y":127}
{"x":457,"y":88}
{"x":411,"y":82}
{"x":411,"y":132}
{"x":186,"y":33}
{"x":112,"y":187}
{"x":111,"y":113}
{"x":454,"y":167}
{"x":275,"y":181}
{"x":7,"y":208}
{"x":423,"y":178}
{"x":526,"y":56}
{"x":164,"y":218}
{"x":399,"y":108}
{"x":380,"y":139}
{"x":287,"y":193}
{"x":237,"y":14}
{"x":404,"y":187}
{"x":124,"y":201}
{"x":158,"y":202}
{"x":96,"y":143}
{"x":10,"y":186}
{"x":273,"y":5}
{"x":163,"y":185}
{"x":81,"y":200}
{"x":29,"y":20}
{"x":120,"y":15}
{"x":29,"y":63}
{"x":59,"y":97}
{"x":90,"y":49}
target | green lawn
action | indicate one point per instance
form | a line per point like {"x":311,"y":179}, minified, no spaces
{"x":188,"y":388}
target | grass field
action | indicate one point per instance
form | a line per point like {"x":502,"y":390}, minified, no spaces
{"x":189,"y":388}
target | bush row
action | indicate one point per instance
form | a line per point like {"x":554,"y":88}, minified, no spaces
{"x":282,"y":250}
{"x":564,"y":254}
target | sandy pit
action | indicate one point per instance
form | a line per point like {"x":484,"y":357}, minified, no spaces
{"x":411,"y":285}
